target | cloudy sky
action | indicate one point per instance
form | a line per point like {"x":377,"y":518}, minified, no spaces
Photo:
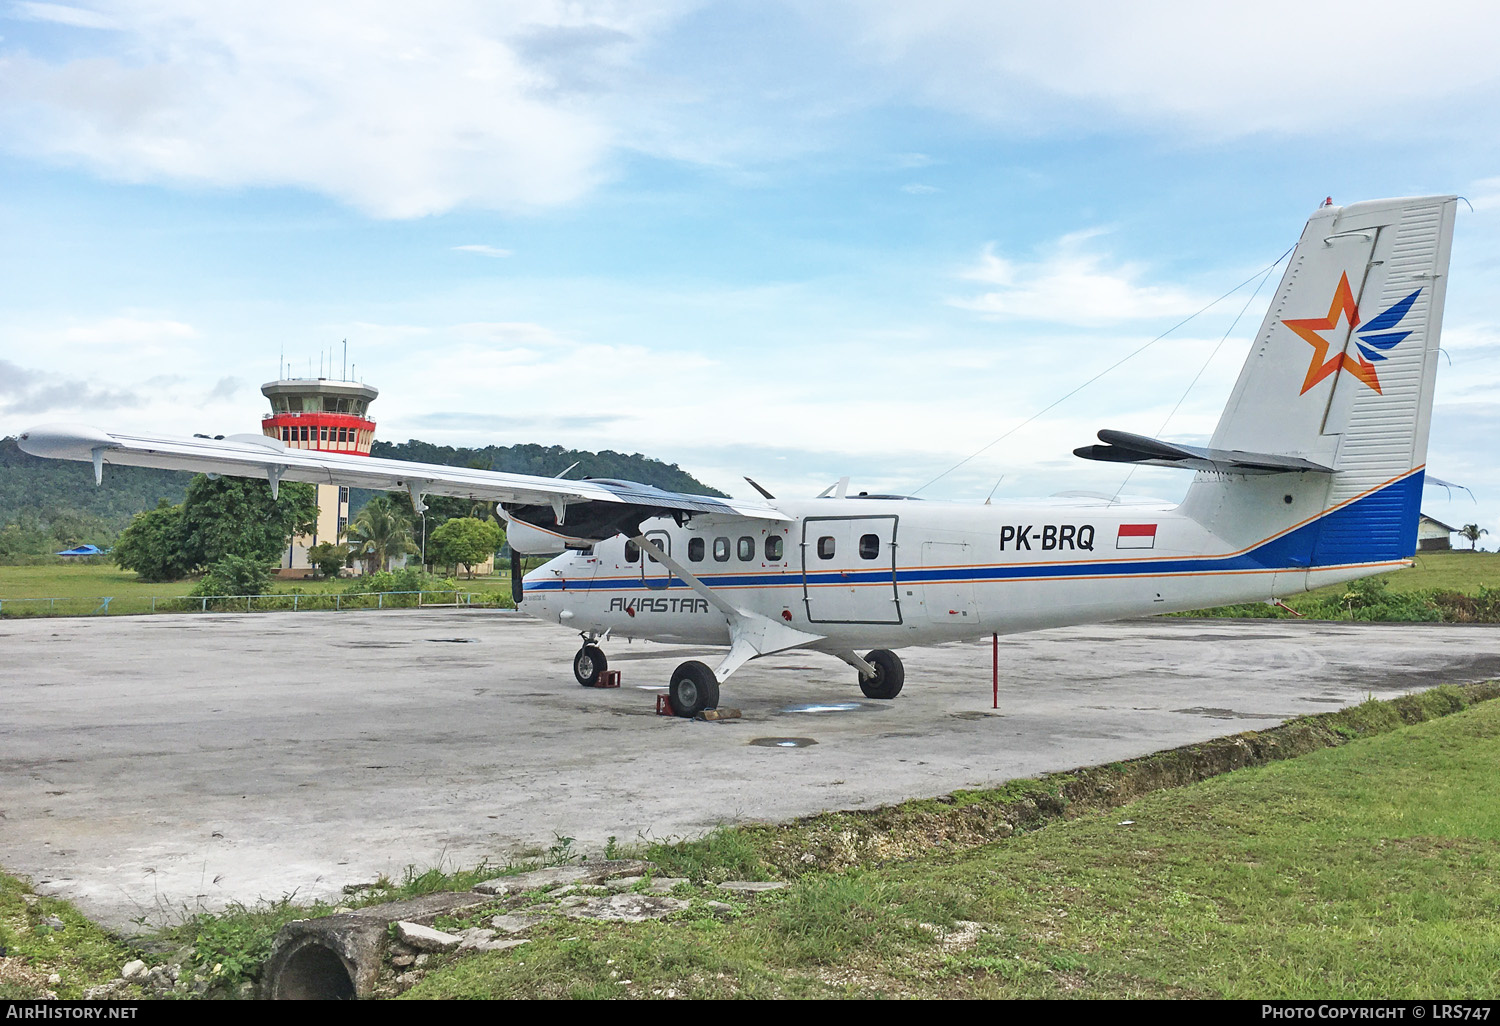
{"x":788,"y":240}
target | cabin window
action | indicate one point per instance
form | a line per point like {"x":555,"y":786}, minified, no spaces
{"x":869,"y":546}
{"x":747,"y":549}
{"x":632,"y":552}
{"x":773,"y":549}
{"x":695,"y":549}
{"x":721,"y":550}
{"x":825,"y":547}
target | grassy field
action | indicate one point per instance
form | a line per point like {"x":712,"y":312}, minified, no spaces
{"x":82,"y":588}
{"x":1459,"y":571}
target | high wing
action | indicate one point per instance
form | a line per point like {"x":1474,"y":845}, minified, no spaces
{"x":586,"y":511}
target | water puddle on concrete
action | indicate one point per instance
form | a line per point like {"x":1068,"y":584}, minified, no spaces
{"x":783,"y":742}
{"x":827,"y":707}
{"x":1222,"y":714}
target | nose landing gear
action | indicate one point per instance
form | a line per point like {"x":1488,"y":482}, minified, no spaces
{"x":589,"y":664}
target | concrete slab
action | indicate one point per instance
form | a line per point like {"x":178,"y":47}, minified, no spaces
{"x":154,"y":766}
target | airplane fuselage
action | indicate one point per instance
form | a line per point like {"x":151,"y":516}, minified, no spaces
{"x":890,"y":573}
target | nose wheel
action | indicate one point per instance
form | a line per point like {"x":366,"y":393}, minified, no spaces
{"x":589,"y":665}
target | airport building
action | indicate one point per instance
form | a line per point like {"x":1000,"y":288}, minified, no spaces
{"x":330,"y":416}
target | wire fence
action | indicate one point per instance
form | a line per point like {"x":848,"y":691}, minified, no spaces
{"x":125,"y":605}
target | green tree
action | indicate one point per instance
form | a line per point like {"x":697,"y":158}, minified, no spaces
{"x":219,"y":518}
{"x":465,"y":540}
{"x":380,"y":533}
{"x":152,"y":545}
{"x":236,"y":516}
{"x":1473,"y":532}
{"x":328,"y":557}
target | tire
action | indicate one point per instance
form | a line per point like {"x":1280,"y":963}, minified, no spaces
{"x":694,"y":688}
{"x":589,"y":665}
{"x":889,"y":675}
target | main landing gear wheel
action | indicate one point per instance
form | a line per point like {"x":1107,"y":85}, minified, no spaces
{"x":589,"y":665}
{"x":694,"y":688}
{"x":889,"y":675}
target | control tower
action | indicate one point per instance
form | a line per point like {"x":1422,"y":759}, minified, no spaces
{"x":328,"y":415}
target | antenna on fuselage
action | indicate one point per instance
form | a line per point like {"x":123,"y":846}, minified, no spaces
{"x":990,"y":496}
{"x":758,"y":488}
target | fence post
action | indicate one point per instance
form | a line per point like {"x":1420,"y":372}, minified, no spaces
{"x":380,"y":601}
{"x":204,"y":609}
{"x":294,"y":602}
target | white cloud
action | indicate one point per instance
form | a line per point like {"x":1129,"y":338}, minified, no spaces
{"x":1071,"y":285}
{"x":399,"y":109}
{"x":1280,"y":65}
{"x":918,"y":189}
{"x":483,"y":250}
{"x":61,"y":14}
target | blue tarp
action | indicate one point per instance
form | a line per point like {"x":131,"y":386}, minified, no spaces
{"x":84,"y":550}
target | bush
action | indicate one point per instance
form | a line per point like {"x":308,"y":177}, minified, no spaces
{"x":411,"y":579}
{"x":235,"y":575}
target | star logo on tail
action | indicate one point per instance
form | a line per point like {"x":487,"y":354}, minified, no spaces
{"x":1372,"y":343}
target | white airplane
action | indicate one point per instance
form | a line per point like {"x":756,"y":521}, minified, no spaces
{"x":1313,"y":476}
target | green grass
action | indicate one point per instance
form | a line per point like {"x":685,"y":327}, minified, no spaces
{"x":1452,"y":587}
{"x":82,"y":954}
{"x":1366,"y":870}
{"x":1455,"y":570}
{"x":82,"y":588}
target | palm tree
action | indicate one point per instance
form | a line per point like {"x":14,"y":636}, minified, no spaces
{"x":1472,"y":532}
{"x":380,"y":532}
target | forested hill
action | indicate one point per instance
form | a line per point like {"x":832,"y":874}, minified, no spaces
{"x":36,"y":491}
{"x":549,"y":461}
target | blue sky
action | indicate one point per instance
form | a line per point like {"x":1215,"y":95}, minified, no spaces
{"x":793,"y":241}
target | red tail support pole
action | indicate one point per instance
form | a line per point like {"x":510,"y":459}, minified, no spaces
{"x":995,"y":655}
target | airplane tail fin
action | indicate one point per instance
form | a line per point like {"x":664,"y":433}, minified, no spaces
{"x":1341,"y":377}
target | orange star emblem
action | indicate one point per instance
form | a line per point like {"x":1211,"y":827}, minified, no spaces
{"x":1322,"y":365}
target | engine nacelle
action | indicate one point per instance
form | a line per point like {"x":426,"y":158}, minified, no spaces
{"x":530,"y":540}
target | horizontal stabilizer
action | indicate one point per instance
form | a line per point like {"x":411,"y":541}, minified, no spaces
{"x":1124,"y":447}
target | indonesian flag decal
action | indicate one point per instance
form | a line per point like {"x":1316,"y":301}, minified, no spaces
{"x":1136,"y":536}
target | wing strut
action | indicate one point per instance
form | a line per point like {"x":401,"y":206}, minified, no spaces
{"x":750,"y":634}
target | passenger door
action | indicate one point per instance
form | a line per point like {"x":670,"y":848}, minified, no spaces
{"x":849,"y":569}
